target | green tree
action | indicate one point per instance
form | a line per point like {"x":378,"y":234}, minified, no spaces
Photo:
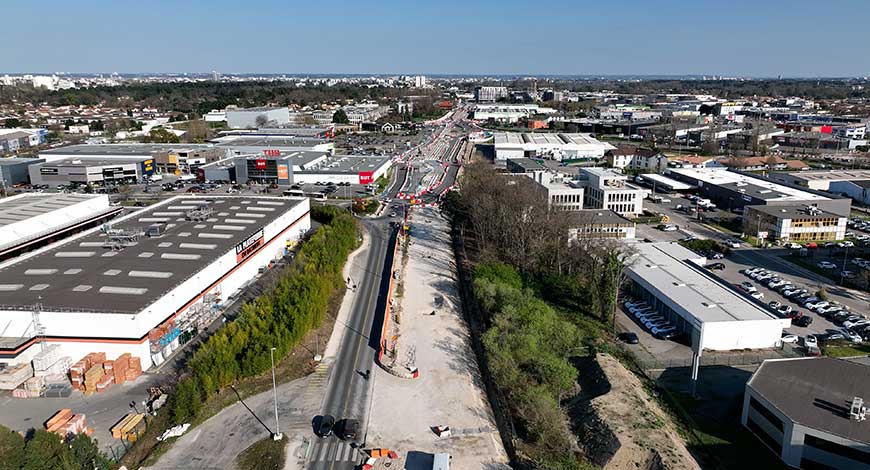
{"x":340,"y":117}
{"x":159,"y":135}
{"x":11,"y":449}
{"x":86,"y":453}
{"x":46,"y":451}
{"x":12,"y":123}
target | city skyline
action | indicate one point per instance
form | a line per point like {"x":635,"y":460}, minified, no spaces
{"x":626,"y":38}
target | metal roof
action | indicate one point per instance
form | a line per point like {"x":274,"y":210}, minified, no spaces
{"x":83,"y":274}
{"x":816,"y":392}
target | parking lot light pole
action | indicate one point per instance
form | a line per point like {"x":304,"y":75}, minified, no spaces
{"x":277,"y":436}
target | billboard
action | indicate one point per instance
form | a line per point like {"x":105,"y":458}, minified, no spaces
{"x":283,"y":172}
{"x":366,"y":177}
{"x":250,"y":245}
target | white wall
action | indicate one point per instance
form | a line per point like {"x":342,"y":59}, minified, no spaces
{"x":749,"y":334}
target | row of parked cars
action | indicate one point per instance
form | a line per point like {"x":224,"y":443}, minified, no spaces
{"x":651,"y":319}
{"x":854,"y":327}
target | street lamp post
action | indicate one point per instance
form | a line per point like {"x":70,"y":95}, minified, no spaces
{"x":277,"y":436}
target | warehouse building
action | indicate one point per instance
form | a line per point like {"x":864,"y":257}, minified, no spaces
{"x":245,"y":144}
{"x":91,"y":171}
{"x":820,"y":180}
{"x":810,"y":411}
{"x":223,"y":171}
{"x":252,"y":118}
{"x":136,"y":285}
{"x":549,"y":146}
{"x":168,"y":158}
{"x":706,"y":309}
{"x":31,"y":220}
{"x":13,"y":171}
{"x":731,"y":190}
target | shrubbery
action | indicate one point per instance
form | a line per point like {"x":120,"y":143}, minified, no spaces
{"x":278,"y":318}
{"x":527,"y":349}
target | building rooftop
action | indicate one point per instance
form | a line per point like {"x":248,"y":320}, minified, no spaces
{"x":19,"y":160}
{"x":757,"y":187}
{"x":598,"y":217}
{"x":816,"y":392}
{"x":74,"y":162}
{"x":351,"y":164}
{"x":673,"y":184}
{"x":254,"y":110}
{"x":540,"y":139}
{"x":273,"y":142}
{"x":832,"y":175}
{"x":794,"y":211}
{"x":83,"y":274}
{"x":526,"y":164}
{"x":668,"y":269}
{"x":122,"y":149}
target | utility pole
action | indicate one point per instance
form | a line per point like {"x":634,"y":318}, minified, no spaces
{"x":277,"y":436}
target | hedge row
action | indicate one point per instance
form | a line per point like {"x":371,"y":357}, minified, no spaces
{"x":278,"y":318}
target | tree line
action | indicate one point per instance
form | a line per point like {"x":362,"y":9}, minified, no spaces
{"x":43,"y":450}
{"x":278,"y":318}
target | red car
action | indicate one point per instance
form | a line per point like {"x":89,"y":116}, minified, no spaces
{"x":811,"y":245}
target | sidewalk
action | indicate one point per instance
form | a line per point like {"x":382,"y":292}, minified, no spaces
{"x":449,"y":390}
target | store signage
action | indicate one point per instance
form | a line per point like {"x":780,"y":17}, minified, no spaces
{"x":250,"y":245}
{"x":272,"y":152}
{"x":366,"y":177}
{"x":260,"y":164}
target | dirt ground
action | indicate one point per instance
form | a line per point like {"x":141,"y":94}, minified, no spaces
{"x":449,"y":390}
{"x":638,"y":422}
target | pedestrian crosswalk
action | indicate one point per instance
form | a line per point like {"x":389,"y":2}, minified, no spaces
{"x":333,"y":451}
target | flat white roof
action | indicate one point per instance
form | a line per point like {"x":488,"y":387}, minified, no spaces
{"x":26,"y":216}
{"x":832,"y":175}
{"x":722,"y":176}
{"x":665,"y":267}
{"x":671,"y":183}
{"x":537,"y":140}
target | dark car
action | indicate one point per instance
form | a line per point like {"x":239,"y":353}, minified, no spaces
{"x":803,"y":321}
{"x":716,"y":266}
{"x":628,"y":337}
{"x":347,"y":429}
{"x":323,"y":425}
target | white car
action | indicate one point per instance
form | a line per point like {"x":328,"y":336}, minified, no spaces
{"x":853,"y":337}
{"x":733,"y":243}
{"x":854,"y":323}
{"x":784,"y":309}
{"x":845,"y":244}
{"x":789,"y":338}
{"x":810,"y":341}
{"x":757,"y":295}
{"x":669,"y":228}
{"x":826,"y":265}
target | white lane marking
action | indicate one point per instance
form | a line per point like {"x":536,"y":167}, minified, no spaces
{"x":322,"y":453}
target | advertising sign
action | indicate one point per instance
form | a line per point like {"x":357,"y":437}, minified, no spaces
{"x":48,"y":171}
{"x":283,"y":172}
{"x":366,"y":177}
{"x":250,"y":245}
{"x":260,"y":163}
{"x":272,"y":152}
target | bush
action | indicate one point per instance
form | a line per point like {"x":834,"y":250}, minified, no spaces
{"x":279,"y":318}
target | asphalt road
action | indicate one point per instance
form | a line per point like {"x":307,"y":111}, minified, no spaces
{"x":348,"y":391}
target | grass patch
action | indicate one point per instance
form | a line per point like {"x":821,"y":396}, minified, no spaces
{"x":267,"y":454}
{"x":843,"y":349}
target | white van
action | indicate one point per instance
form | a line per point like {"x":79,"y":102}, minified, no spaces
{"x":441,"y":462}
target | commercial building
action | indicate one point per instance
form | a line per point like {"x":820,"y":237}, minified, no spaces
{"x":252,"y":118}
{"x":220,"y":171}
{"x":524,"y":165}
{"x":550,"y":146}
{"x":135,"y":286}
{"x":857,"y":190}
{"x":311,"y":167}
{"x":31,"y":220}
{"x":168,"y":158}
{"x":706,"y":309}
{"x":17,"y":139}
{"x":661,"y":183}
{"x":731,"y":190}
{"x":265,"y":144}
{"x":489,"y":93}
{"x":365,"y":112}
{"x":508,"y":113}
{"x":636,"y":159}
{"x":93,"y":171}
{"x":794,"y":223}
{"x":14,"y":171}
{"x":820,"y":180}
{"x":606,"y":189}
{"x":596,"y":223}
{"x":557,"y":190}
{"x":810,"y":411}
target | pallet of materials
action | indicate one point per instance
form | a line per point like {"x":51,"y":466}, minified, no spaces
{"x":64,"y":423}
{"x":130,"y":427}
{"x":14,"y":376}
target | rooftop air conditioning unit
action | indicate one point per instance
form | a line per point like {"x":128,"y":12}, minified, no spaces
{"x":858,"y":411}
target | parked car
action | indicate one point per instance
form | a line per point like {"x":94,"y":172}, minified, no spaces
{"x":748,"y":287}
{"x":774,"y":304}
{"x":664,"y":332}
{"x":853,"y":337}
{"x":789,"y":338}
{"x":803,"y":320}
{"x":716,"y":266}
{"x":628,"y":337}
{"x":810,"y":341}
{"x":826,"y":265}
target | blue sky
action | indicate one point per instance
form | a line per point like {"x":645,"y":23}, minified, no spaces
{"x":644,"y":37}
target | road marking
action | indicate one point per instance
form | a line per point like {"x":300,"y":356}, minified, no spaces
{"x":321,"y":454}
{"x":344,"y":453}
